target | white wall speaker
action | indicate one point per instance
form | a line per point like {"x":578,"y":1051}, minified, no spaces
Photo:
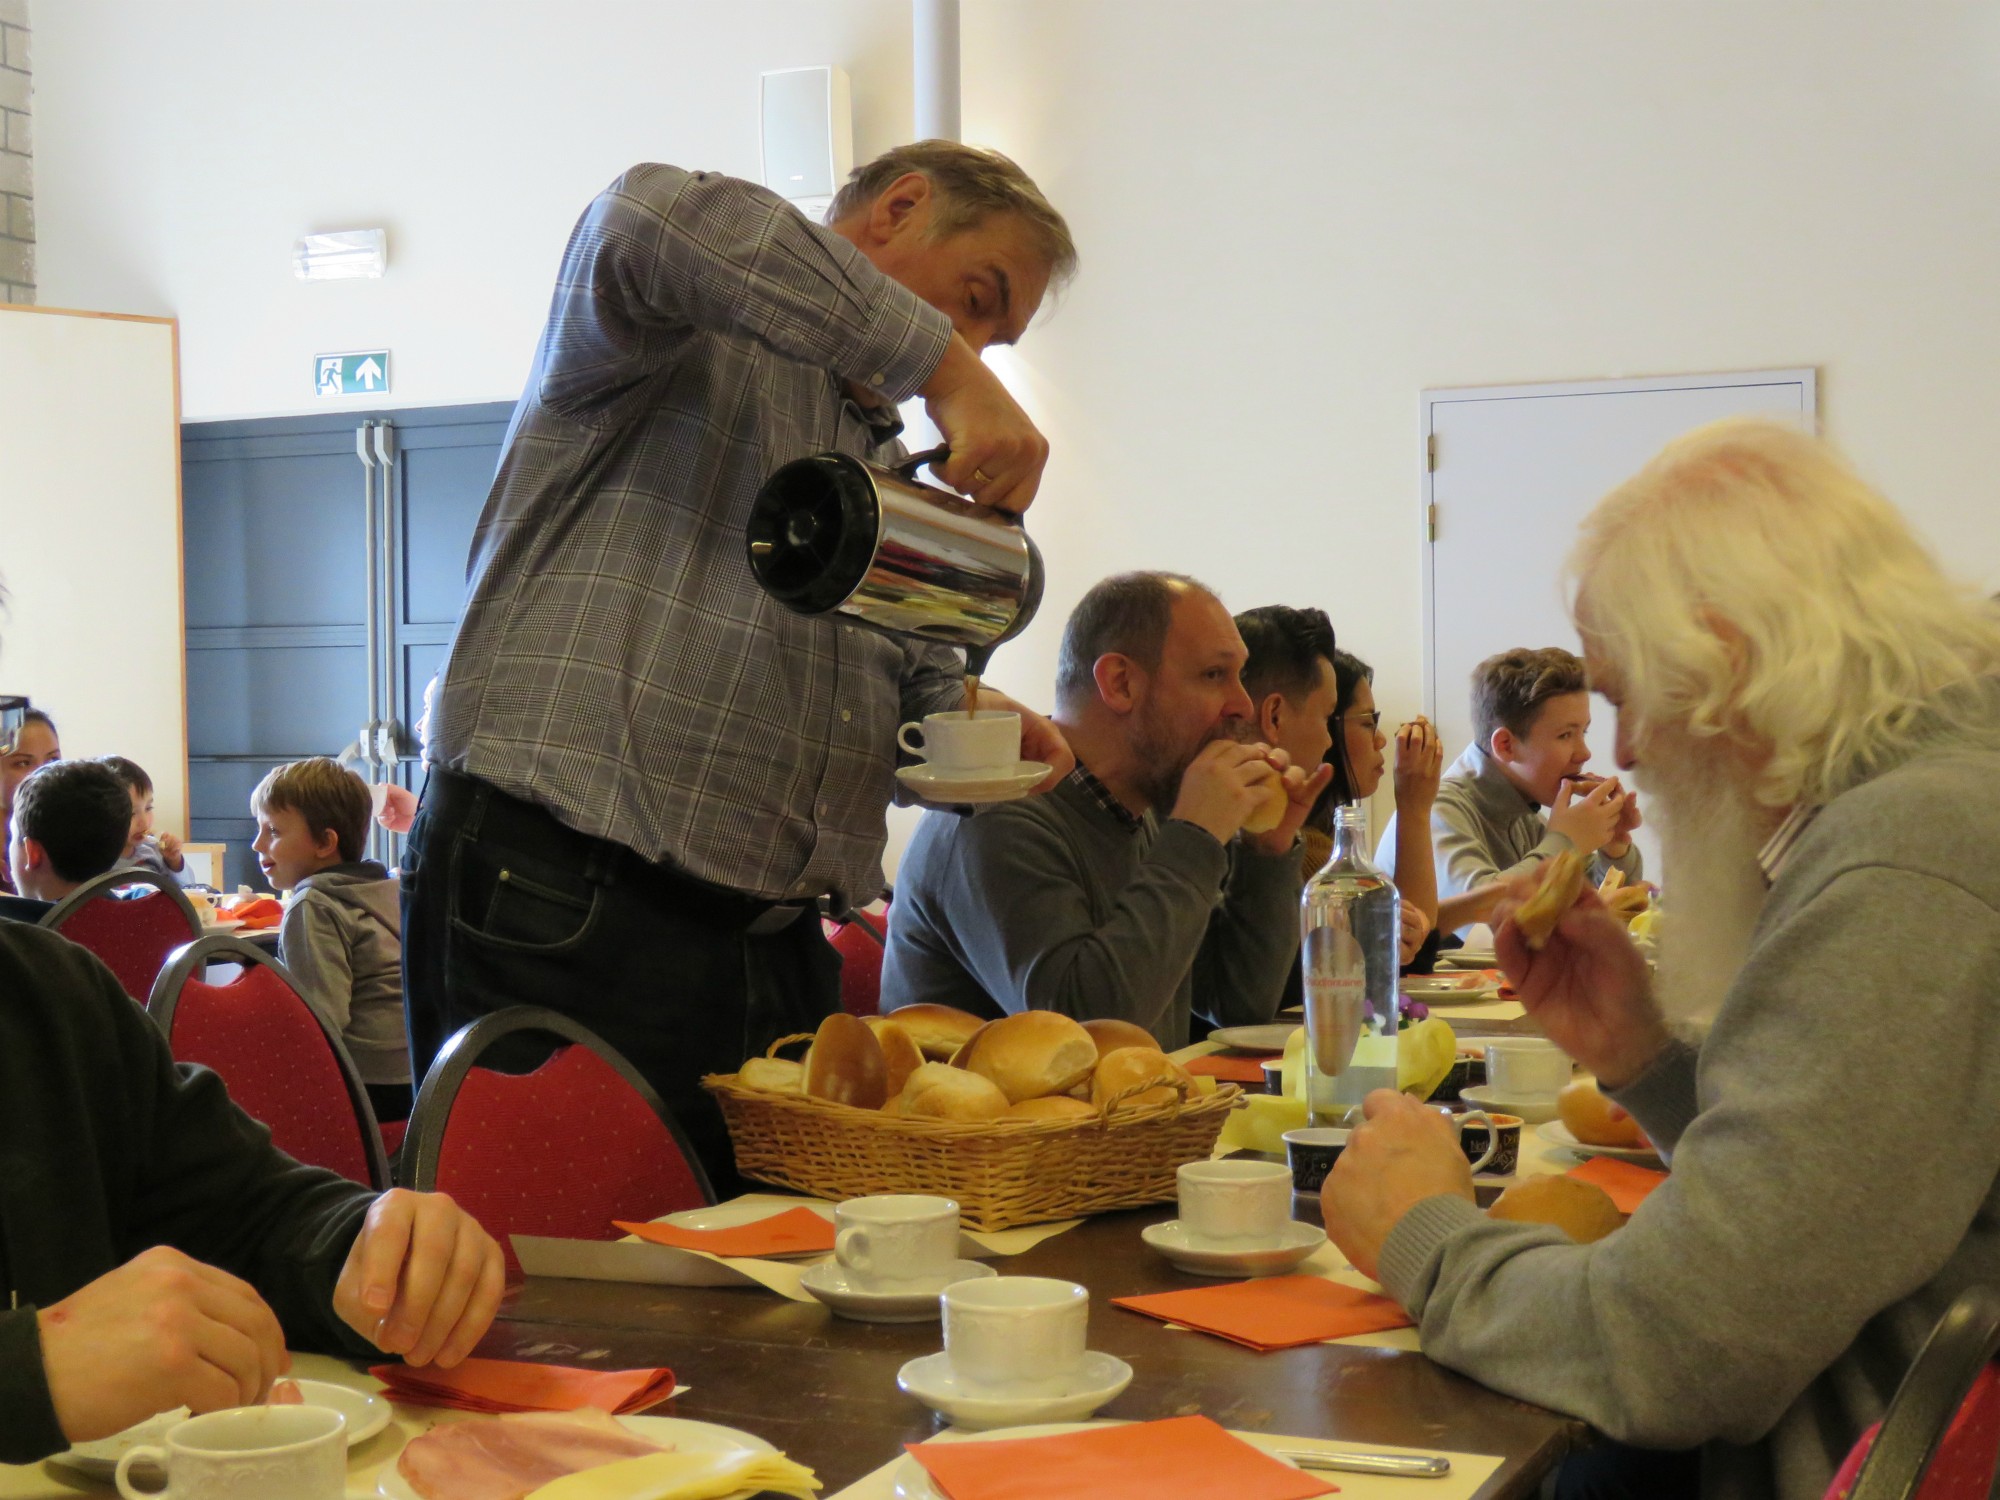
{"x":807,"y":135}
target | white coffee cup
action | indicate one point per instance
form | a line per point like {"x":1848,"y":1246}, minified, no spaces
{"x":1015,"y":1336}
{"x":1234,"y":1202}
{"x":958,"y":744}
{"x":299,"y":1452}
{"x":1526,"y":1067}
{"x":896,"y":1241}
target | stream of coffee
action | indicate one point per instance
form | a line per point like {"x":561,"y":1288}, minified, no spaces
{"x":971,"y":695}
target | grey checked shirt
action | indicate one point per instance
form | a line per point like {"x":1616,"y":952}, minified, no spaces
{"x":617,"y":664}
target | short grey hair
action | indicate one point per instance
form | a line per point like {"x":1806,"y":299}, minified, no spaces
{"x":972,"y":184}
{"x":1127,"y":614}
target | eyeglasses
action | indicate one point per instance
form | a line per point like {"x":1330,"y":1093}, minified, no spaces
{"x":1367,"y":721}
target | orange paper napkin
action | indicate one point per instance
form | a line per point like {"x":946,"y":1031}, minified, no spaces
{"x":502,"y":1385}
{"x":1228,"y":1069}
{"x":1277,"y":1312}
{"x":1627,"y":1184}
{"x":253,"y":912}
{"x":796,"y":1231}
{"x":1183,"y":1458}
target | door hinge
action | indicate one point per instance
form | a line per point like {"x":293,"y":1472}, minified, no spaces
{"x":1431,"y":519}
{"x":1431,"y":453}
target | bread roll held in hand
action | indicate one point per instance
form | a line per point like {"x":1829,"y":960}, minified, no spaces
{"x":778,"y":1075}
{"x":1581,"y":1210}
{"x":938,"y":1091}
{"x":1138,"y":1078}
{"x":899,"y":1051}
{"x":938,"y":1030}
{"x":1595,"y":1120}
{"x":1561,"y":883}
{"x":1032,"y":1054}
{"x":845,"y":1064}
{"x":1269,"y":812}
{"x":1111,"y":1035}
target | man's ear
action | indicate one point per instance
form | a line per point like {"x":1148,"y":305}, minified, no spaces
{"x":33,"y":855}
{"x":1272,"y":711}
{"x":1503,"y":746}
{"x":1121,"y":682}
{"x":902,"y":204}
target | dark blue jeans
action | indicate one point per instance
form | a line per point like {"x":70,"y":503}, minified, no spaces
{"x":503,"y":905}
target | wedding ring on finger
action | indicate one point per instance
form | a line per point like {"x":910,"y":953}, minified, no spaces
{"x":981,"y":476}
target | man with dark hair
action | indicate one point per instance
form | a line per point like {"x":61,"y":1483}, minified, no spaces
{"x":1130,"y":891}
{"x":69,"y":826}
{"x":1290,"y":678}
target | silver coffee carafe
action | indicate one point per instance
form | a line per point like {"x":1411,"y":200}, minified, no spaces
{"x":834,"y":534}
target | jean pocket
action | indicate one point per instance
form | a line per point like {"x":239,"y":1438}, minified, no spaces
{"x":501,"y":900}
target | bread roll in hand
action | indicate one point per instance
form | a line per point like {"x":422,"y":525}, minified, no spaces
{"x":1270,"y":812}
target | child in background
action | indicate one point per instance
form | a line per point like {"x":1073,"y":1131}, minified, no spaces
{"x":144,"y":850}
{"x":342,"y":936}
{"x":68,"y":825}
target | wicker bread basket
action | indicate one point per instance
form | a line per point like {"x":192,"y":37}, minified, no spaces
{"x":1001,"y":1172}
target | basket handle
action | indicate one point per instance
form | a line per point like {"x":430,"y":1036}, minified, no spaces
{"x":1179,"y":1086}
{"x":786,"y":1041}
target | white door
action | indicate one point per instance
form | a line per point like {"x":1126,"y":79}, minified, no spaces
{"x":1513,"y":470}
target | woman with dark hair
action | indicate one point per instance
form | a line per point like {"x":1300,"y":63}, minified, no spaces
{"x":35,"y":745}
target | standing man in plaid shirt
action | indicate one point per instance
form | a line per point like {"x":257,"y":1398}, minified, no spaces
{"x":645,"y":772}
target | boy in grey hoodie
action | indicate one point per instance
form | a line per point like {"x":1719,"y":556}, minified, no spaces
{"x":342,"y":937}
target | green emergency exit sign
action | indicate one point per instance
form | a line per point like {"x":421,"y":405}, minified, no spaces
{"x":362,"y":374}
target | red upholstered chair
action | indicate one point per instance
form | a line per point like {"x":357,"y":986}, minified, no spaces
{"x":860,"y":940}
{"x":560,"y":1150}
{"x":1940,"y":1438}
{"x":281,"y":1062}
{"x":133,"y":935}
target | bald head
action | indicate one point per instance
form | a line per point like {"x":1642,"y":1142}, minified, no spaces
{"x":1129,"y":615}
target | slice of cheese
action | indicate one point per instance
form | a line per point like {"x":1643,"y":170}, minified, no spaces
{"x":678,"y":1474}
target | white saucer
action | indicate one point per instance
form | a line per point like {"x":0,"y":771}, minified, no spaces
{"x":999,"y":786}
{"x":1534,"y":1109}
{"x":1447,"y":988}
{"x":366,"y":1413}
{"x":1296,"y":1243}
{"x":1557,"y":1134}
{"x":932,"y":1381}
{"x":828,"y":1281}
{"x":1467,"y":958}
{"x":1270,"y":1038}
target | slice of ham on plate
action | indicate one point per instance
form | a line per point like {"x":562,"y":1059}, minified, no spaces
{"x":509,"y":1457}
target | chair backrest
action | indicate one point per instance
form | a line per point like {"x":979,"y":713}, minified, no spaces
{"x":132,"y":936}
{"x":279,"y":1059}
{"x":1940,"y":1438}
{"x":860,"y":942}
{"x":560,"y":1150}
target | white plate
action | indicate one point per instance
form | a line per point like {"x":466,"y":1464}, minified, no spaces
{"x":1533,"y":1109}
{"x":935,"y":786}
{"x":1557,"y":1134}
{"x":1253,"y":1038}
{"x":668,"y":1432}
{"x":1468,"y":958}
{"x":1295,"y":1243}
{"x":1450,"y":987}
{"x":931,"y":1379}
{"x":829,"y":1282}
{"x":911,"y":1481}
{"x":366,"y":1413}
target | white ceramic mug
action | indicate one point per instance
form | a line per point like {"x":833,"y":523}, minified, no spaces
{"x":299,"y":1452}
{"x":1015,"y":1336}
{"x":1526,"y":1067}
{"x":988,"y":742}
{"x":1234,"y":1202}
{"x":896,"y":1241}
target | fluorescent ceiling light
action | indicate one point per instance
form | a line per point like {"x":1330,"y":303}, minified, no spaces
{"x":337,"y":256}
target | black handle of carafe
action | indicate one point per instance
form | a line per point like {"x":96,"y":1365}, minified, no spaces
{"x":907,"y":469}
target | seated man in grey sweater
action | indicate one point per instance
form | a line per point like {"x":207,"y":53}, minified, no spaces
{"x":1127,"y":892}
{"x":1815,"y":709}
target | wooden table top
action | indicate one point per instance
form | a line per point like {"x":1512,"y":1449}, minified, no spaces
{"x":824,"y":1388}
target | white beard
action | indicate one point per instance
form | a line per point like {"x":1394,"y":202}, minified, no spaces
{"x":1710,"y":832}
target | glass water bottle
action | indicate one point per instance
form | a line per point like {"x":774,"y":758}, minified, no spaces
{"x":1350,"y":929}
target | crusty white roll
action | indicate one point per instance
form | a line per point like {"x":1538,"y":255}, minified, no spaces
{"x":938,"y":1091}
{"x":899,"y":1051}
{"x":1034,"y":1053}
{"x":1595,"y":1120}
{"x":938,"y":1030}
{"x":1052,"y":1107}
{"x":780,"y":1075}
{"x":1157,"y":1078}
{"x":1581,"y":1210}
{"x":1111,"y":1035}
{"x":1270,"y":812}
{"x":845,"y":1064}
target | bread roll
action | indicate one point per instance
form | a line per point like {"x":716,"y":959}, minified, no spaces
{"x":963,"y":1055}
{"x":1595,"y":1120}
{"x":1131,"y":1068}
{"x":899,"y":1051}
{"x":1270,"y":812}
{"x":1053,"y":1107}
{"x":1034,"y":1053}
{"x":1111,"y":1035}
{"x":845,"y":1064}
{"x":1581,"y":1210}
{"x":779,"y":1075}
{"x":1562,"y":883}
{"x":938,"y":1030}
{"x":938,"y":1091}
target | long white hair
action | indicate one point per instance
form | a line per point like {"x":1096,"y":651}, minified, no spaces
{"x":1748,"y":582}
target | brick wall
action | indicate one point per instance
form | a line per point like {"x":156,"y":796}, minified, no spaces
{"x":17,"y":162}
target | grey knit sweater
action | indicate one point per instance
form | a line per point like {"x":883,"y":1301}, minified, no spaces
{"x":1835,"y":1147}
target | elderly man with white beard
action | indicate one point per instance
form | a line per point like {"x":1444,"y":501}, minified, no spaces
{"x":1814,"y":708}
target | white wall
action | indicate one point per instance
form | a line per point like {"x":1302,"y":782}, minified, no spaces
{"x":1294,"y":216}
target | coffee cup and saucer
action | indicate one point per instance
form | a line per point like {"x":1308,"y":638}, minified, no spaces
{"x":969,"y":758}
{"x":1014,"y":1353}
{"x":892,"y":1254}
{"x":1235,"y":1221}
{"x":1523,"y":1076}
